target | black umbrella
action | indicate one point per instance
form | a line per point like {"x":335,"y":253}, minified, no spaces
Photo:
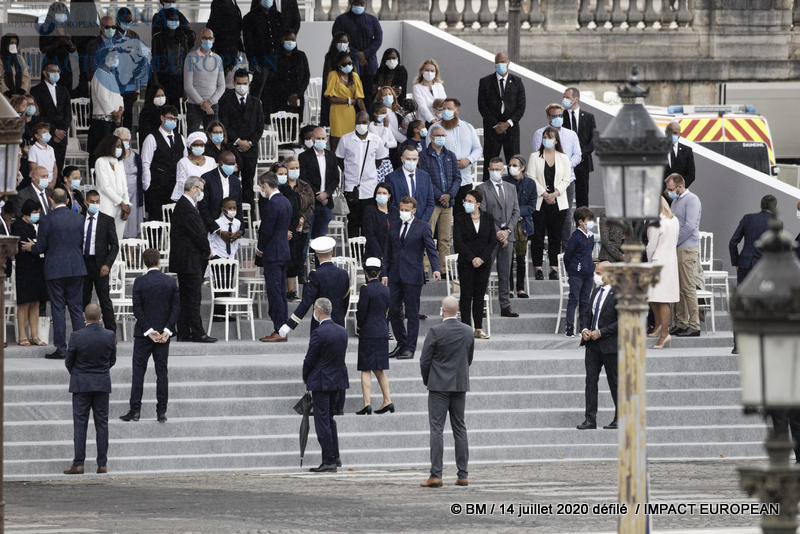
{"x":303,"y":407}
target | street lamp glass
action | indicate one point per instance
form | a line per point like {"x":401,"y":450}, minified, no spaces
{"x":8,"y":166}
{"x":769,"y":367}
{"x":632,"y":192}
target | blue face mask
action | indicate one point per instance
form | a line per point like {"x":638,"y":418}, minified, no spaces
{"x":198,"y":150}
{"x":126,"y":145}
{"x":118,"y":152}
{"x":387,"y":100}
{"x":30,"y":110}
{"x":294,"y":174}
{"x":46,"y":137}
{"x":109,"y":32}
{"x":357,"y":10}
{"x":672,"y":194}
{"x":206,"y":44}
{"x":423,"y":132}
{"x":319,"y":144}
{"x":380,"y":118}
{"x":54,"y":77}
{"x":170,"y":5}
{"x":549,"y":143}
{"x":448,"y":114}
{"x":34,"y":217}
{"x":501,"y":68}
{"x":469,"y":207}
{"x":347,"y":69}
{"x":173,"y":24}
{"x":267,"y":3}
{"x":675,"y":139}
{"x":556,"y":122}
{"x":289,"y":45}
{"x":439,"y":140}
{"x":410,"y":166}
{"x":170,"y":125}
{"x":217,"y":138}
{"x":94,"y":209}
{"x":61,"y":18}
{"x":566,"y":103}
{"x":342,"y":47}
{"x":282,"y":179}
{"x":123,"y":25}
{"x":382,"y":199}
{"x":75,"y":184}
{"x":227,"y":169}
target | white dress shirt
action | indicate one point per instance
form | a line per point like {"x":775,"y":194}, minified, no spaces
{"x":52,"y":88}
{"x":351,"y":149}
{"x":218,"y":246}
{"x":93,"y":237}
{"x":502,"y":90}
{"x":323,"y":168}
{"x":408,"y":180}
{"x":606,"y":290}
{"x":226,"y":184}
{"x":148,"y":149}
{"x":574,"y":117}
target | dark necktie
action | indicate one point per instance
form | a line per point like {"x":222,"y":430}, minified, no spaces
{"x":403,"y":233}
{"x":45,"y":205}
{"x":574,"y":123}
{"x":171,"y":140}
{"x":228,"y":245}
{"x":87,"y":242}
{"x":242,"y":105}
{"x":502,"y":88}
{"x":596,"y":312}
{"x":413,"y":185}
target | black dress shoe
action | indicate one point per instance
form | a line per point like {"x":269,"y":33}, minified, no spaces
{"x":689,"y":332}
{"x":366,"y":410}
{"x":130,"y":416}
{"x":569,"y":332}
{"x":55,"y":355}
{"x":405,"y":355}
{"x":553,"y":275}
{"x":523,"y":295}
{"x":539,"y":274}
{"x":675,"y":331}
{"x":508,"y":312}
{"x":612,"y":425}
{"x":338,"y":462}
{"x":324,"y":469}
{"x":184,"y":339}
{"x":421,"y":316}
{"x":587,"y":425}
{"x":204,"y":339}
{"x":161,"y":418}
{"x":388,"y":408}
{"x":397,"y":350}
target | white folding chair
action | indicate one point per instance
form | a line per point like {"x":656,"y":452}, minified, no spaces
{"x":356,"y":250}
{"x":166,"y":212}
{"x":454,"y":287}
{"x":313,"y":94}
{"x":131,"y":251}
{"x":287,"y":126}
{"x":123,"y":307}
{"x":349,"y":265}
{"x":33,"y":60}
{"x":267,"y":150}
{"x":225,"y":292}
{"x":249,"y":273}
{"x":705,"y":301}
{"x":338,"y":231}
{"x":10,"y":302}
{"x":714,"y":280}
{"x":156,"y":233}
{"x":247,"y":215}
{"x":563,"y":290}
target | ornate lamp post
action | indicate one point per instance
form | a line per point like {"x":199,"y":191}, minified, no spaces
{"x":766,"y":319}
{"x":11,"y":126}
{"x":632,"y":153}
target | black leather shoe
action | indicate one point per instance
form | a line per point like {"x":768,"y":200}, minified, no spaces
{"x":130,"y":416}
{"x":587,"y":425}
{"x":204,"y":339}
{"x":539,"y":274}
{"x":689,"y":332}
{"x":338,"y":462}
{"x":675,"y":331}
{"x":421,"y":316}
{"x":184,"y":339}
{"x":569,"y":332}
{"x":366,"y":410}
{"x":508,"y":312}
{"x":55,"y":355}
{"x":553,"y":275}
{"x":522,"y":295}
{"x":324,"y":469}
{"x":397,"y":350}
{"x":612,"y":425}
{"x":161,"y":418}
{"x":388,"y":408}
{"x":405,"y":355}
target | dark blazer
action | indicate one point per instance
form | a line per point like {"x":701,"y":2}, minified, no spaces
{"x":751,"y":228}
{"x":372,"y":315}
{"x":92,"y":351}
{"x":211,"y":205}
{"x":526,"y":198}
{"x":290,"y":16}
{"x":156,"y":302}
{"x":309,"y":171}
{"x":106,"y":243}
{"x":273,"y":239}
{"x":327,"y":281}
{"x":188,"y":247}
{"x":60,"y":239}
{"x":586,"y":128}
{"x":447,"y":355}
{"x":578,"y":255}
{"x":375,"y":226}
{"x":423,"y":194}
{"x":366,"y":35}
{"x":247,"y":125}
{"x":225,"y":20}
{"x":489,"y":101}
{"x":58,"y":115}
{"x":469,"y":244}
{"x":323,"y":367}
{"x":404,"y":260}
{"x":607,"y":323}
{"x":262,"y":37}
{"x":683,"y":164}
{"x":30,"y":193}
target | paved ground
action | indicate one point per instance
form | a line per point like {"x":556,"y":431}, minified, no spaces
{"x":365,"y":501}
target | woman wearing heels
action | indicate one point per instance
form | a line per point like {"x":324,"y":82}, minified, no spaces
{"x":662,"y":243}
{"x":372,"y":326}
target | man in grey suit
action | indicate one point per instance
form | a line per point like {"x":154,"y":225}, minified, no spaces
{"x":446,"y":357}
{"x":500,"y":201}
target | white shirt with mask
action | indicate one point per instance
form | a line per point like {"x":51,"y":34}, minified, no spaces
{"x":215,"y":242}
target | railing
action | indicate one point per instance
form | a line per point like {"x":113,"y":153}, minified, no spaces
{"x":657,"y":14}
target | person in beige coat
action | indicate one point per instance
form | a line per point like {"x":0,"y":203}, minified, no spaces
{"x":662,"y":242}
{"x":551,"y":169}
{"x":109,"y":175}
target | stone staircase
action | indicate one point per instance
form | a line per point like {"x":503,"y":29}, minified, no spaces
{"x":230,"y":404}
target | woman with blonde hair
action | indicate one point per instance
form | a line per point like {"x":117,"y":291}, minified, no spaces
{"x":428,"y":87}
{"x":662,"y":249}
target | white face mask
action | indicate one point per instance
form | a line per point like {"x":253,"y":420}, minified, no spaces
{"x":496,"y":176}
{"x":513,"y":170}
{"x":429,"y":75}
{"x":242,"y":89}
{"x":160,"y":100}
{"x":589,"y":226}
{"x":231,"y":214}
{"x":362,"y":129}
{"x":308,"y":143}
{"x":392,"y":63}
{"x":12,"y":49}
{"x":199,"y":197}
{"x":405,"y":216}
{"x":598,"y":280}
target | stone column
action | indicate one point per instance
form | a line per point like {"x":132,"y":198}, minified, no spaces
{"x":561,"y":15}
{"x":414,"y":9}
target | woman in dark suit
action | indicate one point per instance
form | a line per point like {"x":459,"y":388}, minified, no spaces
{"x":29,"y":276}
{"x":376,"y":223}
{"x":70,"y":181}
{"x":475,"y":239}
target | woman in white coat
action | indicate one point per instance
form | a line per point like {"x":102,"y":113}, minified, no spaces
{"x":551,"y":169}
{"x":662,"y":244}
{"x":194,"y":164}
{"x":111,"y":182}
{"x":427,"y":87}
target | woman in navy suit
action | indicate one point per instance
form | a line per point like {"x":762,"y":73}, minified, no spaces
{"x":475,"y":239}
{"x":376,"y":222}
{"x":29,"y":276}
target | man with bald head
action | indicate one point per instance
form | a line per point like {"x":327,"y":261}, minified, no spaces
{"x":446,"y":357}
{"x":501,"y":102}
{"x":222,"y":182}
{"x":318,"y":167}
{"x":204,"y":83}
{"x":680,"y":159}
{"x":37,"y":191}
{"x":356,"y":153}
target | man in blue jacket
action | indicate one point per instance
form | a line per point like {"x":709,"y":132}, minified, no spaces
{"x":92,"y":353}
{"x":412,"y":181}
{"x":580,"y":267}
{"x":366,"y":37}
{"x":751,"y":228}
{"x":325,"y":376}
{"x":60,"y":239}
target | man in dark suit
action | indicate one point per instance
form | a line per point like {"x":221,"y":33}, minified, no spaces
{"x":60,"y":239}
{"x":325,"y":376}
{"x":599,"y":336}
{"x":222,"y":182}
{"x":751,"y":227}
{"x":319,"y":168}
{"x":582,"y":123}
{"x":446,"y":357}
{"x":680,"y":159}
{"x":243,"y":117}
{"x":53,"y":101}
{"x":501,"y":102}
{"x":156,"y":306}
{"x":189,"y":252}
{"x":91,"y":354}
{"x":411,"y":181}
{"x":100,"y":248}
{"x":273,"y":250}
{"x":407,"y":243}
{"x":37,"y":191}
{"x":225,"y":21}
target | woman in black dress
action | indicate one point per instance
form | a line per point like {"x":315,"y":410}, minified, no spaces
{"x":372,"y":326}
{"x":376,"y":223}
{"x":71,"y":181}
{"x":150,"y":115}
{"x":29,"y":276}
{"x":475,"y":239}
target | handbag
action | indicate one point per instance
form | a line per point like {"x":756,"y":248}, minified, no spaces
{"x":340,"y":207}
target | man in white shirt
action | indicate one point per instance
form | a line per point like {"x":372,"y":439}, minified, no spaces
{"x":107,"y":103}
{"x":204,"y":83}
{"x":356,"y":153}
{"x":161,"y":152}
{"x":463,"y":141}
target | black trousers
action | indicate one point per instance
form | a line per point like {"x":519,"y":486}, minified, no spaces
{"x":741,"y":274}
{"x":127,"y":114}
{"x":247,"y":173}
{"x":356,"y":215}
{"x":98,"y":130}
{"x":61,"y":153}
{"x":190,"y":325}
{"x":782,"y":422}
{"x":458,"y":207}
{"x":473,"y":284}
{"x":97,"y":402}
{"x":494,"y":143}
{"x":595,"y":360}
{"x":581,"y":185}
{"x":101,"y":287}
{"x":143,"y":348}
{"x":325,"y":403}
{"x":297,"y":264}
{"x":547,"y":220}
{"x":257,"y":86}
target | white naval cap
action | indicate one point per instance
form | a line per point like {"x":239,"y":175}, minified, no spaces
{"x":323,"y":244}
{"x":373,"y":262}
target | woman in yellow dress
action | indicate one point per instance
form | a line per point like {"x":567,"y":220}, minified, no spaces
{"x":344,"y":90}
